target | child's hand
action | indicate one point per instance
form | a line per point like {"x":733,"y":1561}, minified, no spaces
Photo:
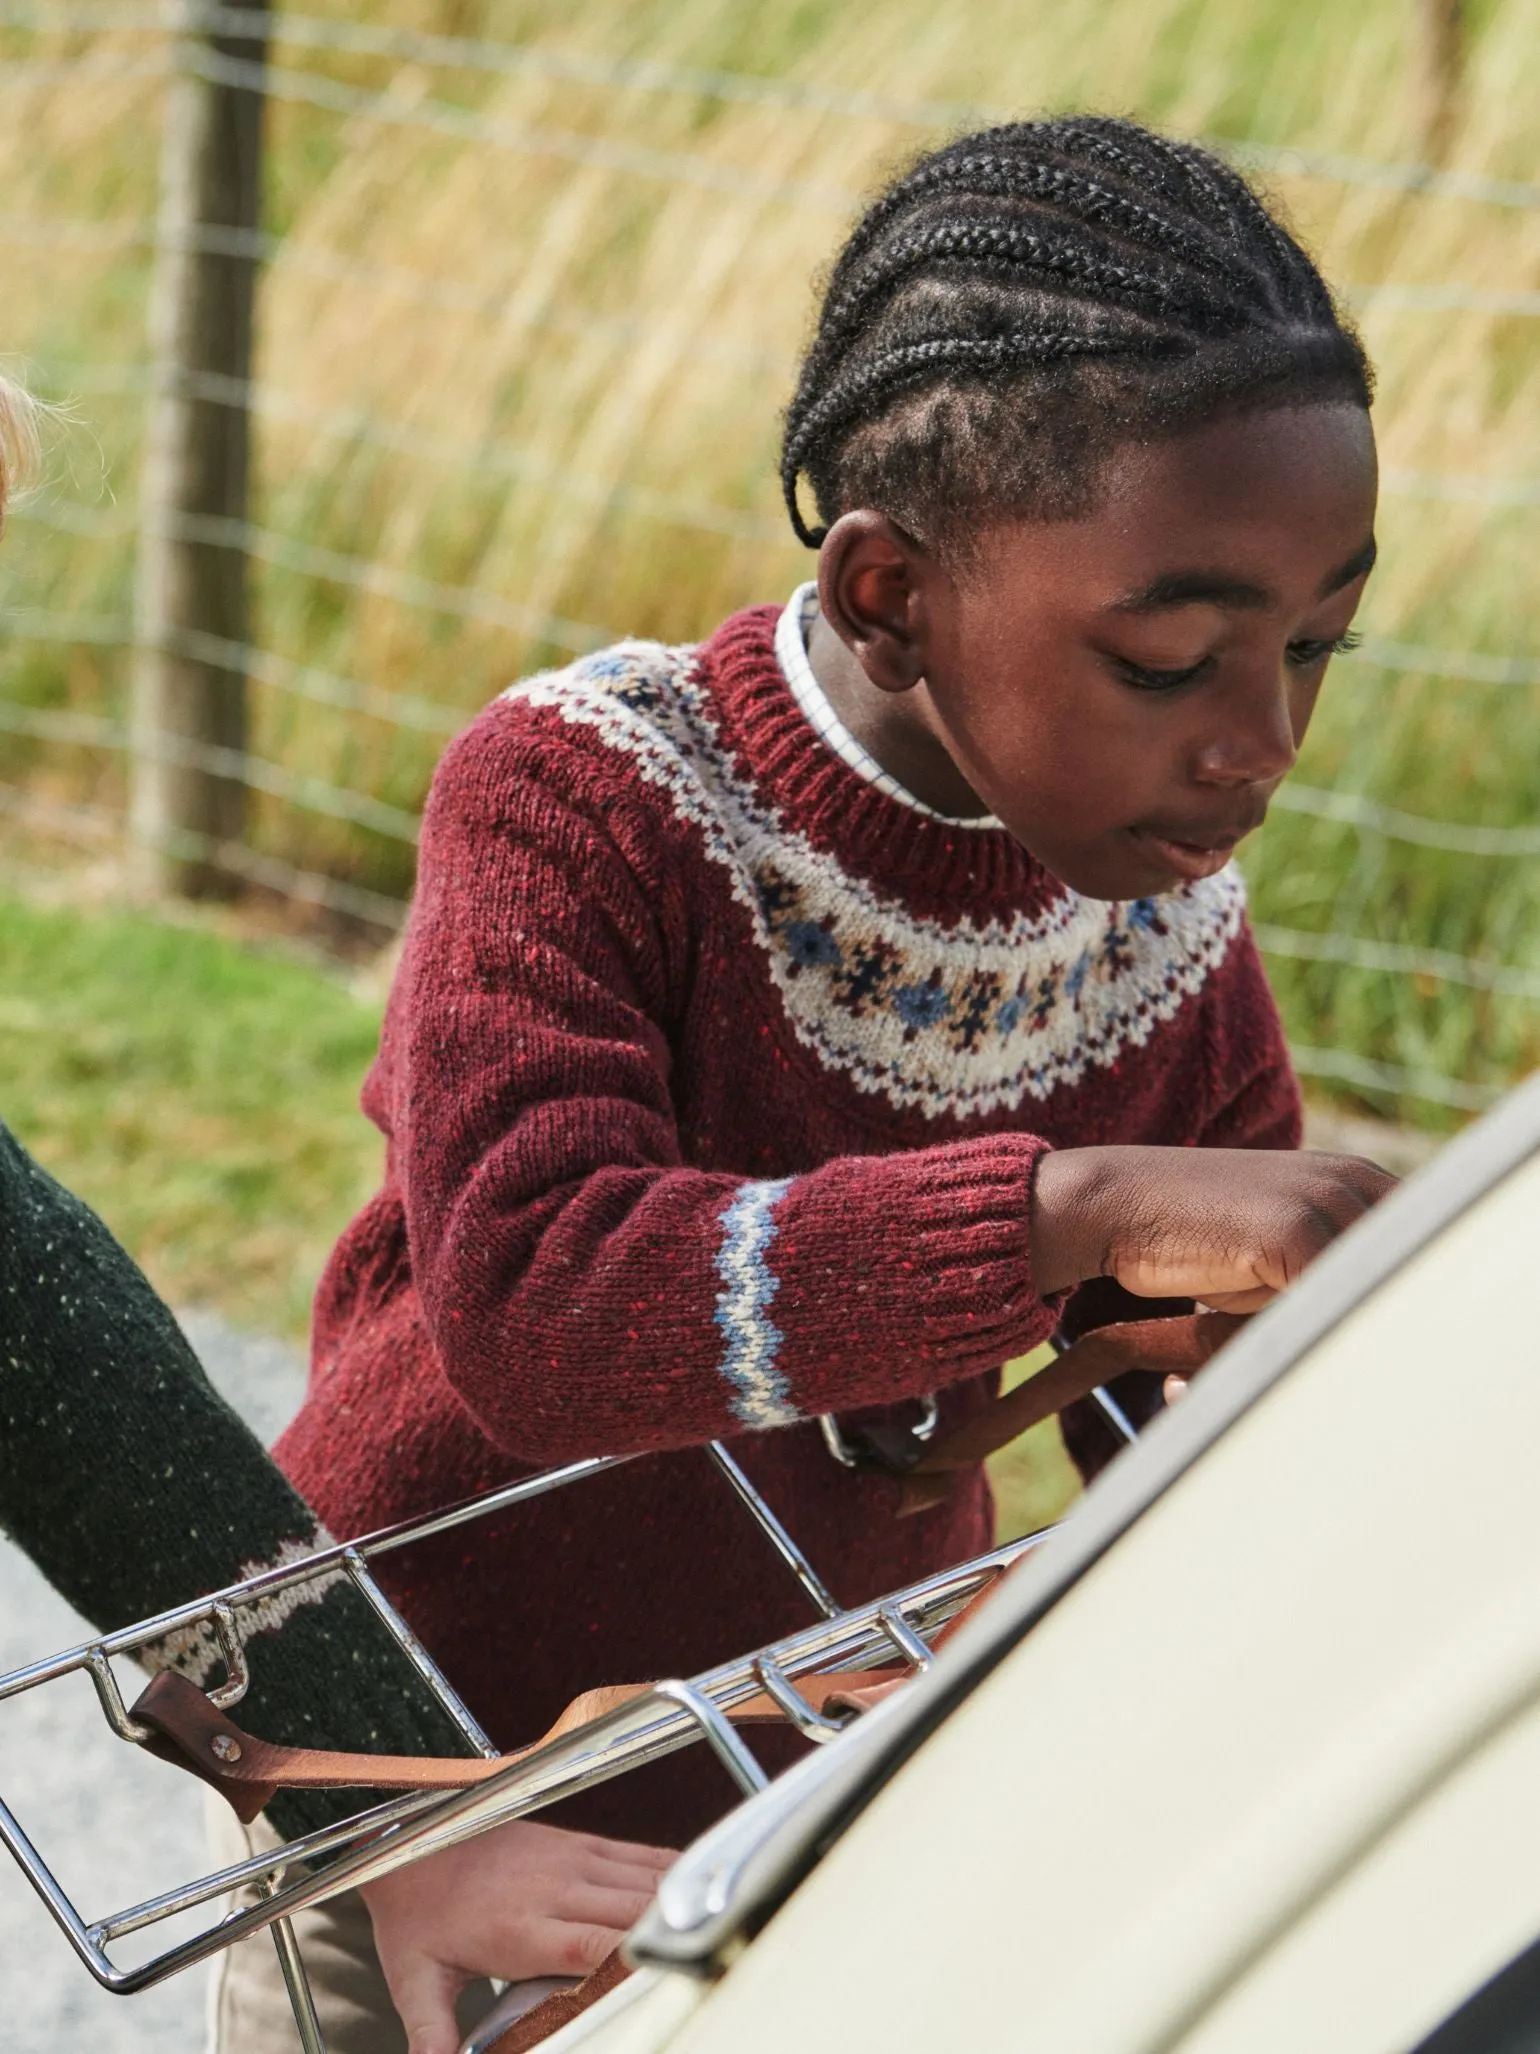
{"x":522,"y":1900}
{"x":1229,"y":1227}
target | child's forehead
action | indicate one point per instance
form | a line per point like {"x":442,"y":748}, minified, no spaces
{"x":1259,"y":473}
{"x":1195,"y":517}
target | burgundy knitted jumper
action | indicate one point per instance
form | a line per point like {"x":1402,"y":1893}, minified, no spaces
{"x":713,"y":1080}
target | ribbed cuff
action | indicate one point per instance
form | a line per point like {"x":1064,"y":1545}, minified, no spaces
{"x":920,"y":1262}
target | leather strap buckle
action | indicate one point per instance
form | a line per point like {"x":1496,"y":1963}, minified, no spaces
{"x":882,"y":1445}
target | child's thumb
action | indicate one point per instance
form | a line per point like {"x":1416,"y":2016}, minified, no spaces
{"x":424,"y":1992}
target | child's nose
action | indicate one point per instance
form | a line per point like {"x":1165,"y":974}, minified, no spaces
{"x":1257,"y":743}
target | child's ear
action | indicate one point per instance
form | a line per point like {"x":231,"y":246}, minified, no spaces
{"x":872,"y":590}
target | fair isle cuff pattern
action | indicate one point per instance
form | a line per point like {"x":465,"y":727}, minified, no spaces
{"x":761,"y":1395}
{"x":195,"y":1651}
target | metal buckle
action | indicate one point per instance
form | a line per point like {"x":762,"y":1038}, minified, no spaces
{"x":883,"y":1446}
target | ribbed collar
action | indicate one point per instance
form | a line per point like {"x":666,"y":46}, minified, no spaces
{"x":791,"y":636}
{"x":948,"y":870}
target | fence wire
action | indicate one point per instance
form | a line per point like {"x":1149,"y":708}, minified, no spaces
{"x":132,"y":239}
{"x":479,"y":55}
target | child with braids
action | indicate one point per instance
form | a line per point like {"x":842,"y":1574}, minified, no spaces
{"x":811,"y":1020}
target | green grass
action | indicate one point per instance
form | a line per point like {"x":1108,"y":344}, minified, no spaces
{"x":1034,"y":1480}
{"x":201,"y":1095}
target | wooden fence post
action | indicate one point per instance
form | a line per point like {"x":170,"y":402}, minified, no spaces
{"x":191,"y":609}
{"x":1443,"y":60}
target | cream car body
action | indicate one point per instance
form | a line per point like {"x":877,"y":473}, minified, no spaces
{"x":1245,"y":1760}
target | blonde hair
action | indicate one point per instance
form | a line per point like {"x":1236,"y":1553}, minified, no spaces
{"x":20,"y":449}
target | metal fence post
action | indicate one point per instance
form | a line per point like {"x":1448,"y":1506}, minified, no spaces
{"x":192,"y":573}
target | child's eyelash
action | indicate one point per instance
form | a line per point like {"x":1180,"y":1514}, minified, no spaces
{"x":1306,"y":653}
{"x":1301,"y":654}
{"x":1160,"y":680}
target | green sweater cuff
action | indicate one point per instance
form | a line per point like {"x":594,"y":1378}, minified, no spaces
{"x":134,"y":1487}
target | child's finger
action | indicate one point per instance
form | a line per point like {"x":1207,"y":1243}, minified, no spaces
{"x":598,"y":1904}
{"x":628,"y":1876}
{"x":573,"y":1949}
{"x":629,"y":1853}
{"x":424,"y":1991}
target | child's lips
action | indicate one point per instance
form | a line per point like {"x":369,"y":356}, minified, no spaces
{"x":1187,"y":859}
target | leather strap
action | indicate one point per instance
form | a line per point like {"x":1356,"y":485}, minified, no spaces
{"x":560,"y":2008}
{"x":194,"y":1734}
{"x":191,"y":1733}
{"x":1164,"y":1345}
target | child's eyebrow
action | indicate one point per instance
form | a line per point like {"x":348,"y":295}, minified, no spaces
{"x":1358,"y":565}
{"x":1194,"y":588}
{"x":1220,"y":588}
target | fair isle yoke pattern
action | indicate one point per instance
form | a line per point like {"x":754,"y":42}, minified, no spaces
{"x":761,"y":1394}
{"x":958,"y":1020}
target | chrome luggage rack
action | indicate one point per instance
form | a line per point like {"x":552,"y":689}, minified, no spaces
{"x":670,"y":1715}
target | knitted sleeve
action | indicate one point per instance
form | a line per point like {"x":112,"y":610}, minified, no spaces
{"x":135,"y":1488}
{"x":586,"y":1290}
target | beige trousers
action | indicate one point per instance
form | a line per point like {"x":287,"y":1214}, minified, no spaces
{"x":248,"y":2001}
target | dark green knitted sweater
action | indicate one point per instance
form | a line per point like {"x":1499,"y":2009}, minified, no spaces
{"x":134,"y":1487}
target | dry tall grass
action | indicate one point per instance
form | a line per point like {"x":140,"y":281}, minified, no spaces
{"x":612,"y":348}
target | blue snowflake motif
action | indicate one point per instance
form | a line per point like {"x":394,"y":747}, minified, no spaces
{"x":812,"y":947}
{"x":609,"y":663}
{"x":1008,"y":1019}
{"x":1077,"y":976}
{"x":1144,"y":913}
{"x":921,"y":1005}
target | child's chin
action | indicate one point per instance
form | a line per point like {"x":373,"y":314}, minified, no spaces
{"x":1113,"y":875}
{"x":1147,"y":866}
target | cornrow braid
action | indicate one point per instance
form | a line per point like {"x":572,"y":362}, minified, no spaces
{"x":919,"y":363}
{"x":1024,"y":300}
{"x":1001,"y":251}
{"x":988,"y":175}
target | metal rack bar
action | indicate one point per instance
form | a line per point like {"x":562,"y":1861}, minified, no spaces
{"x":779,"y":1688}
{"x":237,"y":1670}
{"x":128,"y":1640}
{"x":641,"y":1731}
{"x":41,"y":1877}
{"x":904,"y":1637}
{"x":420,"y":1659}
{"x":297,"y":1983}
{"x":1111,"y":1410}
{"x":114,"y":1711}
{"x":255,"y":1868}
{"x":779,"y":1538}
{"x":718,"y":1729}
{"x":296,"y":1978}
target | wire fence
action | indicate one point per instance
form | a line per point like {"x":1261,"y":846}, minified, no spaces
{"x":121,"y":47}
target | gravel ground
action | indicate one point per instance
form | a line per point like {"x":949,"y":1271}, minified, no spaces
{"x":115,"y":1826}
